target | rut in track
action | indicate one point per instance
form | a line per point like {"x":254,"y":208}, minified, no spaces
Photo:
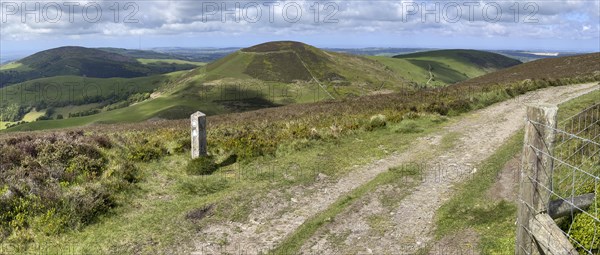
{"x":412,"y":224}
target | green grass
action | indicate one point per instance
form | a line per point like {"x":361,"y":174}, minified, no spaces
{"x":449,"y":140}
{"x":470,"y":207}
{"x":575,"y":106}
{"x":146,"y":61}
{"x":232,"y":66}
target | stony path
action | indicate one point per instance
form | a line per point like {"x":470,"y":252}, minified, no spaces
{"x":411,"y":223}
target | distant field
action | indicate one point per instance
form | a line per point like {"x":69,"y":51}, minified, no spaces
{"x":4,"y":124}
{"x":10,"y":66}
{"x":33,"y":115}
{"x":146,"y":61}
{"x":14,"y":66}
{"x":64,"y":111}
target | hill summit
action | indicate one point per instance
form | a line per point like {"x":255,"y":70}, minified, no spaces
{"x":279,"y":46}
{"x":289,"y":61}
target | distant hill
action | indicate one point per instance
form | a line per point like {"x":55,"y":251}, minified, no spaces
{"x":384,"y":52}
{"x":481,"y":59}
{"x":443,"y":67}
{"x":80,"y":61}
{"x":136,"y":54}
{"x":196,"y":54}
{"x":527,"y":56}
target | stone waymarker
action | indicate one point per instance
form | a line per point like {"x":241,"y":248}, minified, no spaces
{"x":198,"y":135}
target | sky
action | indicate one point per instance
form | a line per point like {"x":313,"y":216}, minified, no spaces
{"x":28,"y":26}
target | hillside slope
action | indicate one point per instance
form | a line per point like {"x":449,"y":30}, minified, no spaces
{"x":543,"y":69}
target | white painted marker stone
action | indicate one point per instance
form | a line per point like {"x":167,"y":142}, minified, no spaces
{"x":198,"y":135}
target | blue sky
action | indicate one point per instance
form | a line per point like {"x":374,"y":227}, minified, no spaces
{"x":566,"y":25}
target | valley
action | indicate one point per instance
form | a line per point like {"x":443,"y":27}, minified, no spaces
{"x":310,"y":151}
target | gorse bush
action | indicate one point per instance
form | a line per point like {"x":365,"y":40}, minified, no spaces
{"x":124,"y":170}
{"x":85,"y":203}
{"x":147,"y":151}
{"x":584,"y":231}
{"x":377,"y":121}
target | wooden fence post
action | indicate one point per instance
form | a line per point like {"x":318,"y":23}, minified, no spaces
{"x":198,"y":135}
{"x":536,"y":168}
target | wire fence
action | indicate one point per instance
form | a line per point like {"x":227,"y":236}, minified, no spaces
{"x":559,"y":210}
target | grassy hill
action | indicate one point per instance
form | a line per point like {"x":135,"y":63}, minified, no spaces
{"x":481,"y":59}
{"x":293,"y":62}
{"x":80,"y":61}
{"x":544,"y":69}
{"x":444,"y":67}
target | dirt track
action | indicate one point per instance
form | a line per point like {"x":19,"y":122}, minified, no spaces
{"x":411,"y":223}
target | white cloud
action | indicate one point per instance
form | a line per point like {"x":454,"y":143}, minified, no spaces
{"x":569,"y":19}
